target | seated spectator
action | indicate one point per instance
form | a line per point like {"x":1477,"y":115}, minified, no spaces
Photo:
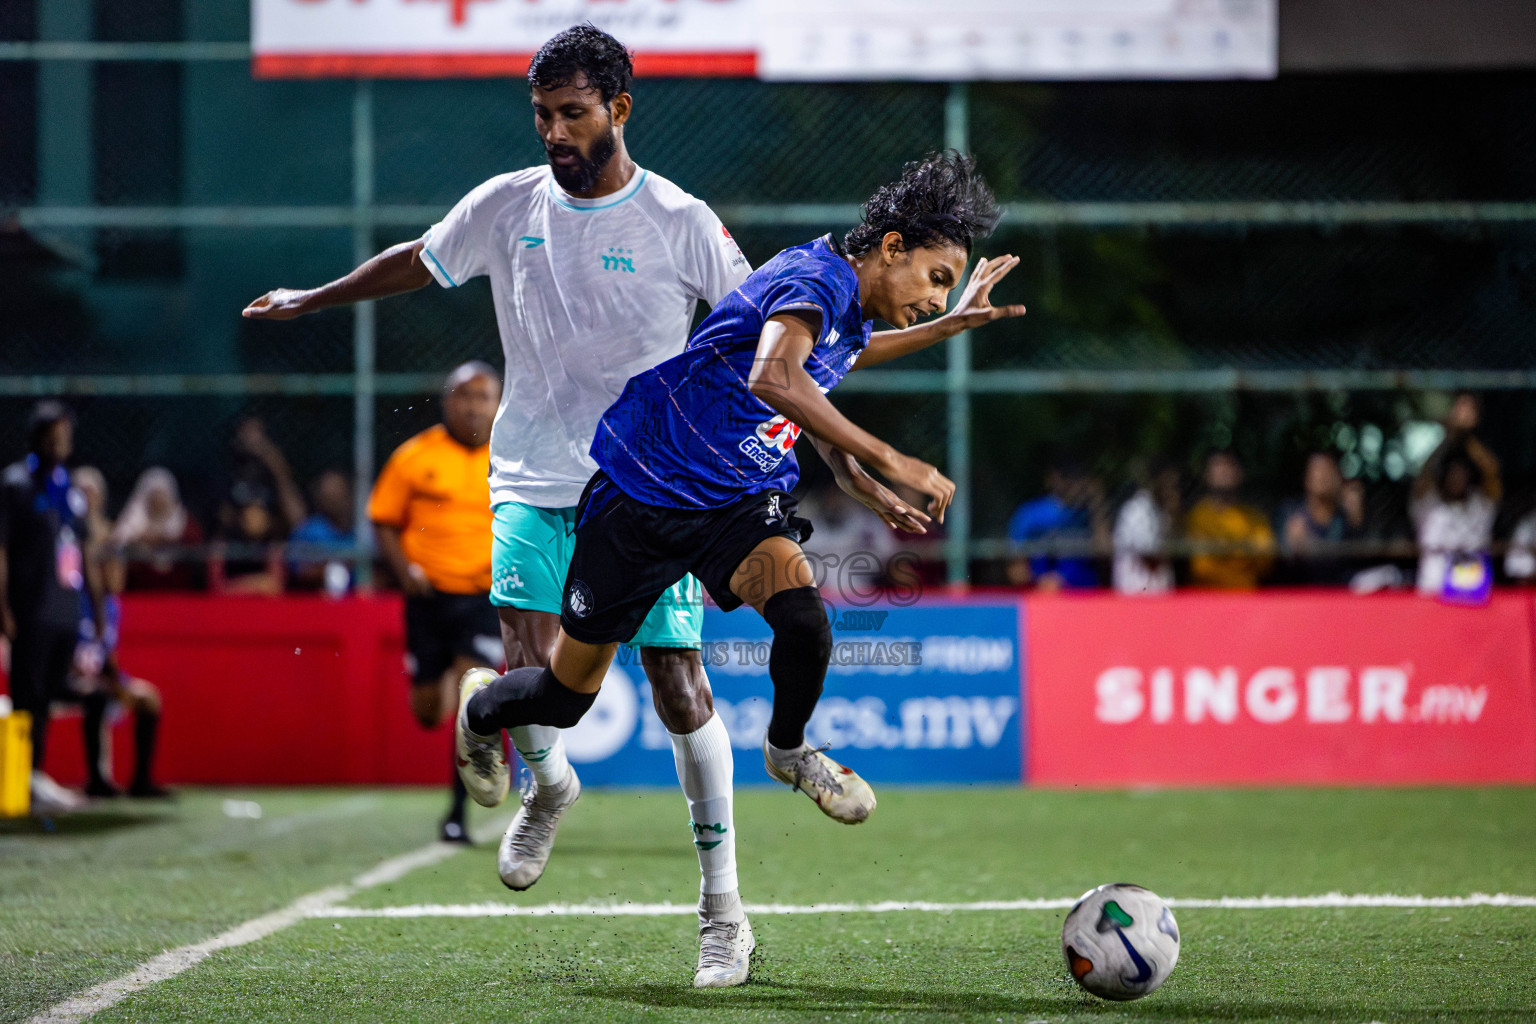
{"x":328,"y":531}
{"x":96,"y":682}
{"x":263,"y":505}
{"x":1455,"y":501}
{"x":1238,"y":546}
{"x":1331,"y":511}
{"x":1143,"y":530}
{"x":1072,"y":512}
{"x":154,"y":524}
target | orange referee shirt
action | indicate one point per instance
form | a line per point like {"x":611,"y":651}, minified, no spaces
{"x":437,"y":493}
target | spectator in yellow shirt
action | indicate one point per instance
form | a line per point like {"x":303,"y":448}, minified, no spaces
{"x":1235,"y":546}
{"x":431,"y":511}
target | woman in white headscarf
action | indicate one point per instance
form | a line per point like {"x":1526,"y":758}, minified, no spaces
{"x":152,"y":525}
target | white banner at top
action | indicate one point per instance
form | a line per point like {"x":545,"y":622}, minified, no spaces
{"x":459,"y":38}
{"x":956,"y":40}
{"x":779,"y":39}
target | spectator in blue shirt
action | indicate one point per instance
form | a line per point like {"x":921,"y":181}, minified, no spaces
{"x":1071,"y":512}
{"x":331,"y":527}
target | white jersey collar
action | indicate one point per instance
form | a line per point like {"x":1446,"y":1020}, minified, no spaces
{"x":570,"y":202}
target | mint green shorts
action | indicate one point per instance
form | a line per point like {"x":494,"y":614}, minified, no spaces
{"x":530,"y":553}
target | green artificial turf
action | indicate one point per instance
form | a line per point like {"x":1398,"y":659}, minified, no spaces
{"x":88,"y":903}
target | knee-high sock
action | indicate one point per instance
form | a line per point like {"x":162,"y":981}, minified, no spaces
{"x":704,"y":766}
{"x":146,"y":735}
{"x":797,"y":662}
{"x":93,"y":722}
{"x":543,"y":751}
{"x":526,"y":696}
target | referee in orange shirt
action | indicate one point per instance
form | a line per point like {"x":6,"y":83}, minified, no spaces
{"x":431,"y":510}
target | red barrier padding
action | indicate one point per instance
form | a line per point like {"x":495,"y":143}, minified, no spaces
{"x":271,"y":691}
{"x":1304,"y":687}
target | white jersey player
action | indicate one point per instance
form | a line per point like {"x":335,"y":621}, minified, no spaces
{"x":596,"y":266}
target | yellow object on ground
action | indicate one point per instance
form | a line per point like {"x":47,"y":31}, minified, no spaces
{"x":15,"y":764}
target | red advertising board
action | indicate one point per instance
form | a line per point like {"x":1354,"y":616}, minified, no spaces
{"x":1307,"y":687}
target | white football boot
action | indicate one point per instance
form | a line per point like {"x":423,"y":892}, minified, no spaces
{"x":837,"y":789}
{"x":725,"y":953}
{"x":528,"y":841}
{"x":481,"y":760}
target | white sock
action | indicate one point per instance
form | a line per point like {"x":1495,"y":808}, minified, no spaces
{"x":704,"y":767}
{"x":543,"y":751}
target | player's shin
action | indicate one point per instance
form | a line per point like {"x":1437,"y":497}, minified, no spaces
{"x":704,"y":768}
{"x":543,"y":751}
{"x":797,"y":664}
{"x":802,"y":648}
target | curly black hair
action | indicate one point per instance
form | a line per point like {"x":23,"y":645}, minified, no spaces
{"x":940,"y":198}
{"x":583,"y":50}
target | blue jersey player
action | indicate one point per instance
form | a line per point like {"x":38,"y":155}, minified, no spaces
{"x":695,"y":467}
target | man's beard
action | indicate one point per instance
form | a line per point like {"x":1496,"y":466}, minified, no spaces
{"x":582,"y":175}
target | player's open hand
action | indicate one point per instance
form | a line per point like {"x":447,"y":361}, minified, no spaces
{"x":924,"y":479}
{"x":882,"y":501}
{"x":975,"y":306}
{"x":278,"y":304}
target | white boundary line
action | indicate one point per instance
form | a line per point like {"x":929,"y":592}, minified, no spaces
{"x":1333,"y":899}
{"x":174,"y":961}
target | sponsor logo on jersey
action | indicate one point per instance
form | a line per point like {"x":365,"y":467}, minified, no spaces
{"x":619,"y":259}
{"x":530,"y":242}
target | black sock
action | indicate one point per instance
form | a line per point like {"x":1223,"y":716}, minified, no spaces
{"x":456,"y":809}
{"x":94,"y":708}
{"x":526,"y":696}
{"x":146,"y":732}
{"x":797,"y":663}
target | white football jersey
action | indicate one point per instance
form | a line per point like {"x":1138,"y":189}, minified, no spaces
{"x":588,"y":292}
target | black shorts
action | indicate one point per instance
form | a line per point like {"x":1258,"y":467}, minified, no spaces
{"x":628,"y":553}
{"x":442,"y":627}
{"x":41,"y":658}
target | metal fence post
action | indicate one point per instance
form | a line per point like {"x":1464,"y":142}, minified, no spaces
{"x":957,"y":135}
{"x":363,"y":327}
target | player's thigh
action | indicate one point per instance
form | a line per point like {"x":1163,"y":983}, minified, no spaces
{"x":753,"y":551}
{"x":527,"y":637}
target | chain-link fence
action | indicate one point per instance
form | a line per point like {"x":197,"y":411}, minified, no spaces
{"x":1272,"y":268}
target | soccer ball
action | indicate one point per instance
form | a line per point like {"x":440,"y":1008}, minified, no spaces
{"x":1120,"y":941}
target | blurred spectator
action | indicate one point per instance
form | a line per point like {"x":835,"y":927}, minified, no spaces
{"x":1072,"y":511}
{"x":1330,"y":512}
{"x":1520,"y":561}
{"x":96,"y":682}
{"x":263,"y":505}
{"x":852,"y":544}
{"x":154,"y":524}
{"x":1240,"y":546}
{"x":42,"y":575}
{"x":1455,"y":500}
{"x":1143,"y":530}
{"x":329,"y":529}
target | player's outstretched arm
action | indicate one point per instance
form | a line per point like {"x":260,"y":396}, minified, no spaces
{"x":974,"y":309}
{"x":394,"y":271}
{"x":779,"y":379}
{"x":869,"y":492}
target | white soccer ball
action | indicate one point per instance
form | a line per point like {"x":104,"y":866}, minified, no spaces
{"x":1120,"y":941}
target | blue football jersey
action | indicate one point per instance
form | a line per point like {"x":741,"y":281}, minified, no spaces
{"x":688,"y":433}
